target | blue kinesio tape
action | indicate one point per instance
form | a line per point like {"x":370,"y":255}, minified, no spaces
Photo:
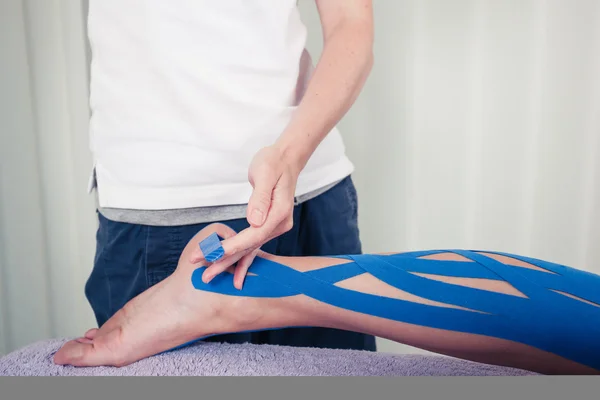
{"x":545,"y":318}
{"x":211,"y":248}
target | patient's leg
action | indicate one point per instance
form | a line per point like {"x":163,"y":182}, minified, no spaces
{"x":173,"y":313}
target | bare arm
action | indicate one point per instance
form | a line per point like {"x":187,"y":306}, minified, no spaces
{"x":338,"y":77}
{"x":336,"y":82}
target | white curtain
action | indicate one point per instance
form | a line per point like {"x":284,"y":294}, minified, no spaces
{"x":478,"y":128}
{"x":47,"y":235}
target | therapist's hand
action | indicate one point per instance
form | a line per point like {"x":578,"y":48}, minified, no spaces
{"x":273,"y":176}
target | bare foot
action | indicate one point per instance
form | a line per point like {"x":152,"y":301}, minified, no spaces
{"x":165,"y":316}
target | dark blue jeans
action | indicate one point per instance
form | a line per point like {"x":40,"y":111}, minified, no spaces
{"x":131,"y":258}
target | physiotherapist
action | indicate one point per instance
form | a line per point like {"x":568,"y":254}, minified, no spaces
{"x":211,"y":111}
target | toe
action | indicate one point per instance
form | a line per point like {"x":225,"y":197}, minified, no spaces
{"x":103,"y":351}
{"x":71,"y":353}
{"x":91,"y":333}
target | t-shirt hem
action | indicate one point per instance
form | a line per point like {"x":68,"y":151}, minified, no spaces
{"x":168,"y":198}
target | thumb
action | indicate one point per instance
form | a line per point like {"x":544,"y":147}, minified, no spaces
{"x":260,"y":200}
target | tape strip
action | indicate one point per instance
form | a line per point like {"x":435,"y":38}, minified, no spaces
{"x":544,"y":319}
{"x":211,"y":248}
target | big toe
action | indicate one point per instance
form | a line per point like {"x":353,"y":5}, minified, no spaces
{"x":91,"y":333}
{"x":103,"y":351}
{"x":71,"y":353}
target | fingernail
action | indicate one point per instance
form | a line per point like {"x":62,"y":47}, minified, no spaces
{"x":257,"y":217}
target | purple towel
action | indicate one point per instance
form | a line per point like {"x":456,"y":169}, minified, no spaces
{"x":212,"y":359}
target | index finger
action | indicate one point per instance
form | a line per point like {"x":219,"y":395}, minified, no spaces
{"x":222,"y":230}
{"x":249,"y":238}
{"x":254,"y":237}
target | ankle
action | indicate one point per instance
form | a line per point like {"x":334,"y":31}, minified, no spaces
{"x":240,"y":314}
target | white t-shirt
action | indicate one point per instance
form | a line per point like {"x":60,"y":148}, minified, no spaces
{"x":185,"y":92}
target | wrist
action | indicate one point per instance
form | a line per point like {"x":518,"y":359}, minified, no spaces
{"x":293,"y":154}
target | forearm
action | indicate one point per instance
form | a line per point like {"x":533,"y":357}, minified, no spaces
{"x":336,"y":83}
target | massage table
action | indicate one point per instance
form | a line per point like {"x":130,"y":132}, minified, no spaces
{"x":217,"y":359}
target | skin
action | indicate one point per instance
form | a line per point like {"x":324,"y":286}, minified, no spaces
{"x":337,"y":80}
{"x":173,"y":312}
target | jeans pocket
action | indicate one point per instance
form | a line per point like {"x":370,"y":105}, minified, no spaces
{"x":352,"y":197}
{"x":163,"y":249}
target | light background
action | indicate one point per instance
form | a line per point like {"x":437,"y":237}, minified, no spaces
{"x":478,"y":128}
